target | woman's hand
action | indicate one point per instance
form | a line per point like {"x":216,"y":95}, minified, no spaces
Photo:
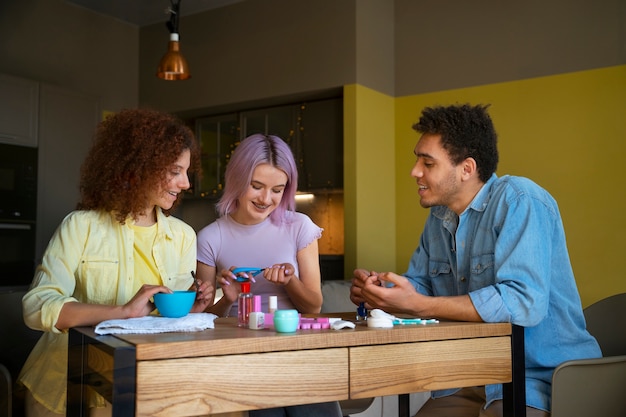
{"x":140,"y":305}
{"x":75,"y":314}
{"x":230,"y":286}
{"x":205,"y":295}
{"x":209,"y":277}
{"x":279,"y":274}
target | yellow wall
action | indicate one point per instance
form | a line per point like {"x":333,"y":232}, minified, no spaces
{"x":369,"y":177}
{"x":568,"y":134}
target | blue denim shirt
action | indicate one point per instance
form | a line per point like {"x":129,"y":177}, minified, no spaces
{"x":507,"y":250}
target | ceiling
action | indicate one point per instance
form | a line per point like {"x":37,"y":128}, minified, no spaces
{"x":148,"y":12}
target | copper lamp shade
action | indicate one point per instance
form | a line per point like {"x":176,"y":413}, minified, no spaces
{"x":173,"y":65}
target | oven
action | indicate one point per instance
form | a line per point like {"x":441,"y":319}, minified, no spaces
{"x":18,"y":211}
{"x":17,"y":257}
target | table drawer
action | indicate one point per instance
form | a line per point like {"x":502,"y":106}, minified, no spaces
{"x":426,"y":366}
{"x":219,"y":384}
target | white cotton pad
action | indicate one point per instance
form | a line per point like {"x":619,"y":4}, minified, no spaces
{"x":380,"y":322}
{"x":342,"y":324}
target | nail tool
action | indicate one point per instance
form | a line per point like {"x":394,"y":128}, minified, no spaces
{"x":246,"y":270}
{"x":195,"y":281}
{"x":382,"y":315}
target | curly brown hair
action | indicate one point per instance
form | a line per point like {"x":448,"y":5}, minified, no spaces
{"x":466,"y":132}
{"x":129,"y":158}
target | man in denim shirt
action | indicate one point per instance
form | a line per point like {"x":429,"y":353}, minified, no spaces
{"x":493,"y":250}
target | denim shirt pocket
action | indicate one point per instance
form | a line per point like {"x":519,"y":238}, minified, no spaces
{"x":482,"y":271}
{"x":441,"y":277}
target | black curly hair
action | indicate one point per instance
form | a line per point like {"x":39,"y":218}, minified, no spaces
{"x":466,"y":132}
{"x":130,"y":157}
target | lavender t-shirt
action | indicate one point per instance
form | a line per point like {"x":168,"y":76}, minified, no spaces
{"x":226,"y":243}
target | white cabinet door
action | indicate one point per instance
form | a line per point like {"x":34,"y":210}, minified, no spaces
{"x":19,"y":100}
{"x":68,"y":121}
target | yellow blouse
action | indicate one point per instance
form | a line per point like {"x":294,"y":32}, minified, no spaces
{"x":91,"y":259}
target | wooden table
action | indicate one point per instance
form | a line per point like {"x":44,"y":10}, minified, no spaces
{"x":229,"y":369}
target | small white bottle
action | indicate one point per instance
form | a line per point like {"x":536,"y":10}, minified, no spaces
{"x":273,"y":304}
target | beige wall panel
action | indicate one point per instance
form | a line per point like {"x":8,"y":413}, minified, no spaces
{"x":441,"y":45}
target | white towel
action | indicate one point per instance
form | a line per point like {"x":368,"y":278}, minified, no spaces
{"x":192,"y":322}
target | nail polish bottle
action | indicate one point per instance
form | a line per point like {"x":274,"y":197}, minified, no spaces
{"x":272,"y":304}
{"x":271,"y":308}
{"x":244,"y":305}
{"x":361,"y":312}
{"x":257,"y":317}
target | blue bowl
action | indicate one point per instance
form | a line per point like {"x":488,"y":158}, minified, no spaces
{"x":177,"y":304}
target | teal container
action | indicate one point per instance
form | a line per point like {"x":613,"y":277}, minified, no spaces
{"x":286,"y":321}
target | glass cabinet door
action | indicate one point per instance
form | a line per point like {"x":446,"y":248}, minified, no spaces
{"x":279,"y":121}
{"x":218,"y":137}
{"x":313,"y":130}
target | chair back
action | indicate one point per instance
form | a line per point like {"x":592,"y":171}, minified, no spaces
{"x":595,"y":387}
{"x":590,"y":387}
{"x":606,"y":321}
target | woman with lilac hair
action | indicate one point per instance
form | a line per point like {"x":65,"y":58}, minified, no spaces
{"x":259,"y":227}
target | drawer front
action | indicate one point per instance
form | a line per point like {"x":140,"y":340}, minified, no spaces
{"x":219,"y":384}
{"x":413,"y":367}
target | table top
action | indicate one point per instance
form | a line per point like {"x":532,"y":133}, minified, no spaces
{"x":350,"y":363}
{"x":228,"y":339}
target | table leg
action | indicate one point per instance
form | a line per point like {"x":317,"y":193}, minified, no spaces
{"x":514,"y":393}
{"x":404,"y":405}
{"x":120,"y":393}
{"x":124,"y":385}
{"x":77,"y":404}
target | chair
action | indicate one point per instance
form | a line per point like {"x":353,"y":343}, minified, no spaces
{"x":16,"y":342}
{"x":606,"y":321}
{"x":6,"y":392}
{"x":595,"y":387}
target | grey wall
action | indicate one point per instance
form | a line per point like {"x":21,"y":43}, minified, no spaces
{"x":253,"y":50}
{"x":375,"y":51}
{"x":259,"y":49}
{"x":61,"y":44}
{"x":441,"y":45}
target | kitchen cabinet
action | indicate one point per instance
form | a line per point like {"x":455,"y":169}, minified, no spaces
{"x":279,"y":121}
{"x":60,"y":123}
{"x":319,"y":146}
{"x":313,"y":130}
{"x":218,"y":137}
{"x":19,"y":108}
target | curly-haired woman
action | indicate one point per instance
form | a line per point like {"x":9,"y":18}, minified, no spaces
{"x":120,"y":247}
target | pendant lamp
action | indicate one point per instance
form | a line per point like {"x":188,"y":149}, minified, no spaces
{"x":173,"y":65}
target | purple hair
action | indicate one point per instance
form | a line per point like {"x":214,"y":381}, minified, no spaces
{"x":252,"y":151}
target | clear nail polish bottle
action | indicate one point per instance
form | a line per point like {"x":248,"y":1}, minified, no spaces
{"x":244,"y":305}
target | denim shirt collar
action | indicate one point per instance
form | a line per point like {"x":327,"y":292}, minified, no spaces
{"x":479,"y":203}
